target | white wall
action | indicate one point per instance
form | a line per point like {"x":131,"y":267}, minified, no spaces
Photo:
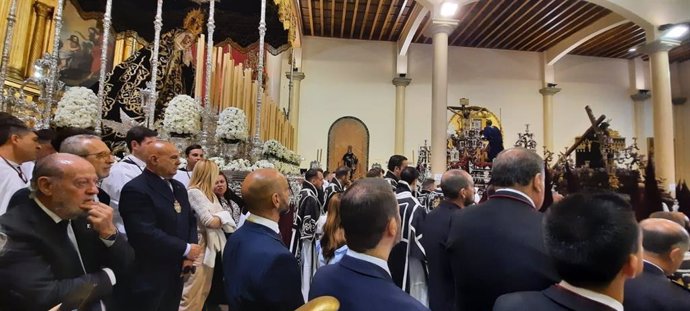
{"x":353,"y":78}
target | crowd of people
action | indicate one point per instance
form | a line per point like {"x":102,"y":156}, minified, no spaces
{"x":81,"y":231}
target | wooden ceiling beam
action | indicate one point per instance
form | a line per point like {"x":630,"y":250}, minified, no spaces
{"x":388,"y":18}
{"x":623,"y":45}
{"x":608,"y":39}
{"x":607,"y":34}
{"x":420,"y":34}
{"x":333,"y":18}
{"x":561,"y":26}
{"x":397,"y":19}
{"x":465,"y":25}
{"x":342,"y":22}
{"x":409,"y":30}
{"x":511,"y":35}
{"x":500,"y":25}
{"x":364,"y":20}
{"x":311,"y":17}
{"x":515,"y":43}
{"x":479,"y":26}
{"x":575,"y":26}
{"x":376,"y":19}
{"x":354,"y":20}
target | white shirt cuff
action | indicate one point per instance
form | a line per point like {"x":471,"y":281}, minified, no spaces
{"x":111,"y":275}
{"x":186,"y":251}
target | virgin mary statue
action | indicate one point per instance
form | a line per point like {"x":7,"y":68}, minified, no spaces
{"x":123,"y":105}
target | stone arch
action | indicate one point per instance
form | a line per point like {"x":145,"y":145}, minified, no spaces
{"x":344,"y":132}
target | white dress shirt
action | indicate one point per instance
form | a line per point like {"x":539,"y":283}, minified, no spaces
{"x":10,"y":182}
{"x":371,"y":259}
{"x":591,"y":295}
{"x":522,"y":194}
{"x":184,"y":177}
{"x":121,"y":173}
{"x":264,"y":222}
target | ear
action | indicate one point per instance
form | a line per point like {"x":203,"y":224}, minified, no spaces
{"x":392,"y":228}
{"x":44,"y":185}
{"x":14,"y":138}
{"x":676,"y":255}
{"x":538,"y":182}
{"x":275,"y":199}
{"x":633,"y":267}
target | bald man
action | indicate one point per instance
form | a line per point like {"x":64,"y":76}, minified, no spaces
{"x":665,"y":242}
{"x":62,"y":245}
{"x":162,"y":230}
{"x":260,"y":272}
{"x":458,"y":192}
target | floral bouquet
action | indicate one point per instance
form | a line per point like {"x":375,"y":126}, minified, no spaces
{"x":273,"y":148}
{"x":232,"y":125}
{"x":77,"y":108}
{"x":182,"y":116}
{"x":239,"y":165}
{"x":219,"y":161}
{"x":262,"y":164}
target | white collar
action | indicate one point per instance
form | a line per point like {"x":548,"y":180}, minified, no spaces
{"x":50,"y":213}
{"x":520,"y":193}
{"x":655,"y":265}
{"x":368,"y":258}
{"x":264,"y":222}
{"x":600,"y":298}
{"x":136,"y":160}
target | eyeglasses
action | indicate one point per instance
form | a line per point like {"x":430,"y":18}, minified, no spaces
{"x":99,"y":155}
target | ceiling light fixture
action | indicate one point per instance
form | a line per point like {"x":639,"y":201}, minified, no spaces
{"x":448,"y":8}
{"x":676,"y":32}
{"x":632,"y":50}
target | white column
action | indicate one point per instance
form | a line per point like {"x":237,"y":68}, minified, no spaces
{"x":296,"y":78}
{"x":274,"y":64}
{"x":547,"y":98}
{"x":400,"y":84}
{"x":639,"y":124}
{"x":439,"y":95}
{"x":664,"y":154}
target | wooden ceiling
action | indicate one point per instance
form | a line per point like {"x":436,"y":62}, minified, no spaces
{"x":523,"y":25}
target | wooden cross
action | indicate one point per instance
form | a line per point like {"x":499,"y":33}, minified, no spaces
{"x":594,"y":127}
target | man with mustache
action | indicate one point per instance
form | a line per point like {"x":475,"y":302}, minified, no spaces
{"x":62,"y":242}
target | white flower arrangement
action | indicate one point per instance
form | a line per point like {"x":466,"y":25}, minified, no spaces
{"x":219,"y":161}
{"x":77,"y":108}
{"x":262,"y":164}
{"x":274,"y":149}
{"x":183,"y":163}
{"x":238,"y":165}
{"x":182,"y":116}
{"x":232,"y":125}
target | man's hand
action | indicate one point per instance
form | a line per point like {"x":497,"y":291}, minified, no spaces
{"x":100,"y":216}
{"x":194,"y":252}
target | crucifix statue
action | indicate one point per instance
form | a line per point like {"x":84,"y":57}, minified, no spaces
{"x":593,"y":130}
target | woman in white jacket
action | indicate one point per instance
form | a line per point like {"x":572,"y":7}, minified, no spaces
{"x":212,"y":222}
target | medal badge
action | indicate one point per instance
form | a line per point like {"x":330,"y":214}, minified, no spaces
{"x":178,"y":207}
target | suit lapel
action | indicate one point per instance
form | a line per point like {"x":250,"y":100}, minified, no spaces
{"x":160,"y":186}
{"x":573,"y":301}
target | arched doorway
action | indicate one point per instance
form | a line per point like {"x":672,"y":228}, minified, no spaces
{"x":348,"y":131}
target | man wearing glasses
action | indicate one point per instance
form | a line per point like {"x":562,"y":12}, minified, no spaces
{"x":89,"y":147}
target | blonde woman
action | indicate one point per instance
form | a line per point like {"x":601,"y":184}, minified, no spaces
{"x":213,"y":222}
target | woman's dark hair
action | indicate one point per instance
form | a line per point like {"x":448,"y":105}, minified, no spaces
{"x":330,"y":241}
{"x":230,"y":195}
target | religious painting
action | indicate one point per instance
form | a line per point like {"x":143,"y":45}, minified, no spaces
{"x":80,"y":48}
{"x":344,"y":133}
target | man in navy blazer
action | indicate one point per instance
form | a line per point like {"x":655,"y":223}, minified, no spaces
{"x":261,"y":274}
{"x":361,"y":280}
{"x":497,"y":247}
{"x":665,"y":243}
{"x":458,"y":191}
{"x":595,"y":244}
{"x":162,"y":230}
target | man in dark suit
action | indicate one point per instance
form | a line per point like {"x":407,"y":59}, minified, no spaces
{"x":497,"y":247}
{"x":458,"y":191}
{"x":260,"y":272}
{"x":665,"y":242}
{"x":595,"y":244}
{"x":162,"y":230}
{"x":495,"y":138}
{"x":396,"y":164}
{"x":62,"y":246}
{"x":370,"y":217}
{"x":89,"y":147}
